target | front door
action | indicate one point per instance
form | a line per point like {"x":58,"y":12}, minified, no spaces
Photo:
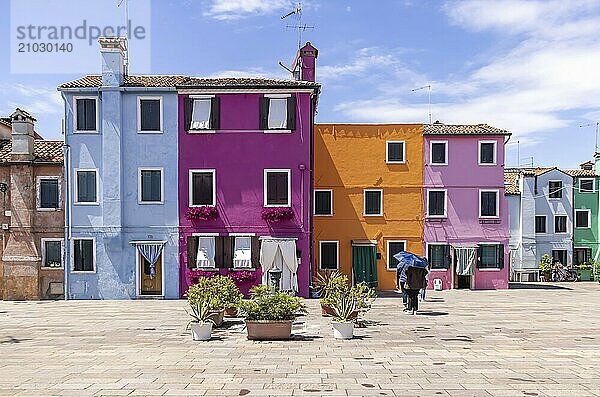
{"x":150,"y":286}
{"x":463,"y":267}
{"x":364,"y":264}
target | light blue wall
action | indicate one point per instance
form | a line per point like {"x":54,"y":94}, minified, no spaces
{"x":117,"y":151}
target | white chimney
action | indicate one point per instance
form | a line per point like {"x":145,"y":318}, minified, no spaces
{"x":22,"y":135}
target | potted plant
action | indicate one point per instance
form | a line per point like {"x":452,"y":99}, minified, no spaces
{"x":597,"y":271}
{"x":269,"y":314}
{"x":546,"y":267}
{"x":585,"y":272}
{"x":222,"y":292}
{"x":344,"y":309}
{"x":329,"y":286}
{"x":230,"y":295}
{"x":201,"y":323}
{"x":364,"y":297}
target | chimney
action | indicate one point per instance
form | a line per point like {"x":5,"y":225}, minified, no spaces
{"x":114,"y":69}
{"x":304,"y":67}
{"x":588,"y":166}
{"x":22,"y":136}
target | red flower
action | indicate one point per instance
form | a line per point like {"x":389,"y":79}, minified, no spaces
{"x":204,"y":213}
{"x":277,"y":214}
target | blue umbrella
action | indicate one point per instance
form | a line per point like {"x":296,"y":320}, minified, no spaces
{"x":409,"y":259}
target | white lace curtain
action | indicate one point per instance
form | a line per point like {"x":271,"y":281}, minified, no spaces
{"x":280,"y":253}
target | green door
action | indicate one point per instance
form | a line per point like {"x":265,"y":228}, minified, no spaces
{"x":364,"y":264}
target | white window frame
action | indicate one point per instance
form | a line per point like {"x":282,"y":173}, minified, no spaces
{"x":75,"y":187}
{"x":387,"y":253}
{"x":554,"y":224}
{"x":277,"y":96}
{"x":235,"y":237}
{"x":162,"y":185}
{"x":431,"y":152}
{"x":387,"y":152}
{"x":445,"y":203}
{"x":198,"y":131}
{"x":545,"y":222}
{"x":491,"y":269}
{"x":43,"y":242}
{"x":139,"y":114}
{"x":589,"y":218}
{"x":75,"y":130}
{"x":337,"y":254}
{"x":365,"y":202}
{"x":495,"y":153}
{"x":289,"y":192}
{"x":191,"y":190}
{"x":214,"y":239}
{"x":497,"y":203}
{"x":587,"y":191}
{"x":38,"y":193}
{"x":330,"y":201}
{"x":72,"y":270}
{"x":562,"y":188}
{"x":431,"y":269}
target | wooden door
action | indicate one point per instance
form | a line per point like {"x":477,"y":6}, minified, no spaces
{"x":149,"y":285}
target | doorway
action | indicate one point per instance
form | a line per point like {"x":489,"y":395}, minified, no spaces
{"x":463,"y":264}
{"x":364,"y":264}
{"x":150,"y":286}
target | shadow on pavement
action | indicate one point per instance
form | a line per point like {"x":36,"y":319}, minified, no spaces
{"x":537,"y":286}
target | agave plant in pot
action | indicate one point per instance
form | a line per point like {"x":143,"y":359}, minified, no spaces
{"x":344,"y":316}
{"x":200,"y":323}
{"x":330,"y":286}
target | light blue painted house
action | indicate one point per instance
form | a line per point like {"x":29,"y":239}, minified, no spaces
{"x":121,"y":159}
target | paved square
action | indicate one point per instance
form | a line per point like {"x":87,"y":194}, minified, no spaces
{"x":520,"y":342}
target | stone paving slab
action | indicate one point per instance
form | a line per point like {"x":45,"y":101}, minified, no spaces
{"x":543,"y":340}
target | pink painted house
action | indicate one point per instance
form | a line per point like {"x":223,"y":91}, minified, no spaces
{"x":245,"y":176}
{"x":466,"y":226}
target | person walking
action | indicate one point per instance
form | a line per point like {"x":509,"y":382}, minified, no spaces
{"x":400,"y":281}
{"x":424,"y":289}
{"x":415,"y":280}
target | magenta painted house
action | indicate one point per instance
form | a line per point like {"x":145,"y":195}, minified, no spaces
{"x":245,"y":176}
{"x":466,"y":215}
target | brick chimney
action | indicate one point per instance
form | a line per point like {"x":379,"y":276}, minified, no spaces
{"x":114,"y":69}
{"x":22,"y":136}
{"x":304,"y":66}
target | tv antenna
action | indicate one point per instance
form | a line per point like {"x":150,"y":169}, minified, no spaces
{"x":126,"y":59}
{"x":596,"y":124}
{"x":299,"y":25}
{"x":428,"y":87}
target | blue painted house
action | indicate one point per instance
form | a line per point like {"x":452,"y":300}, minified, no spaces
{"x":121,"y":160}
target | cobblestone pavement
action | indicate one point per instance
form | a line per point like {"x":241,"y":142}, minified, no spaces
{"x":520,"y":342}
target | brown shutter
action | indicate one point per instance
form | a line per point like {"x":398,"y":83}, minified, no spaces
{"x":219,"y":258}
{"x":228,"y":252}
{"x":271,"y":188}
{"x":192,"y":251}
{"x":188,"y":105}
{"x":264,"y":113}
{"x":255,"y":252}
{"x":291,"y":113}
{"x":282,"y":188}
{"x":215,"y":113}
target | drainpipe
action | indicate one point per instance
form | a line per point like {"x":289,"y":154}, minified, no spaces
{"x":67,"y":179}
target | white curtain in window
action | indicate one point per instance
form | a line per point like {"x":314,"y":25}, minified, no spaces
{"x":465,"y":260}
{"x":268,"y":250}
{"x":277,"y":113}
{"x":242,"y":255}
{"x":288,"y":252}
{"x":201,"y":114}
{"x":205,"y":256}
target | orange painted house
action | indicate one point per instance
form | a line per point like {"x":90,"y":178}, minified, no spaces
{"x":367,"y":204}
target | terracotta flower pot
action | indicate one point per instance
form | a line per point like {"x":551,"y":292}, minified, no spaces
{"x":269,"y":330}
{"x":217,"y":317}
{"x":231,"y":312}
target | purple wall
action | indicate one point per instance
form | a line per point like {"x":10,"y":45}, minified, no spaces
{"x":239,"y":152}
{"x":463,"y":177}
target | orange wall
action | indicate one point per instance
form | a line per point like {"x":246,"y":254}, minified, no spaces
{"x":350,"y":158}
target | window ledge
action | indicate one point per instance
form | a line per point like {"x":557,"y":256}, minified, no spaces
{"x":277,"y":206}
{"x":487,"y":164}
{"x":83,"y":272}
{"x":150,"y":132}
{"x":244,"y":269}
{"x":277,"y":131}
{"x":430,"y":218}
{"x":372,"y":215}
{"x":151,"y":202}
{"x":490,"y":269}
{"x":48,"y":209}
{"x":199,"y":131}
{"x":439,"y":270}
{"x":86,"y":203}
{"x":207,"y":269}
{"x":86,"y":132}
{"x":395,"y":162}
{"x":490,"y":220}
{"x":323,"y":214}
{"x":52,"y":268}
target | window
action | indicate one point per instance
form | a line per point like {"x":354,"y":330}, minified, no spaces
{"x":278,"y":112}
{"x":48,"y":193}
{"x":86,"y":115}
{"x":277,"y":188}
{"x":86,"y":187}
{"x":150,"y":187}
{"x":215,"y":252}
{"x":582,"y":219}
{"x":487,"y":152}
{"x":490,"y":256}
{"x":488,"y":203}
{"x":540,"y":223}
{"x":394,"y":247}
{"x":586,"y":185}
{"x":328,"y":251}
{"x":555,"y":189}
{"x":436,"y":203}
{"x":242,"y":252}
{"x":202,"y":188}
{"x":202,"y":113}
{"x":84,"y":256}
{"x":323,"y":202}
{"x":560,"y":223}
{"x":582,"y":255}
{"x":395,"y":152}
{"x":150,"y":114}
{"x":373,"y":202}
{"x":52,"y":253}
{"x":205,"y":256}
{"x":438,"y":256}
{"x":559,"y":256}
{"x":438,"y":152}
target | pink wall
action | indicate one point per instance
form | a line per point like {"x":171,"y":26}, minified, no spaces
{"x":463,"y":177}
{"x":239,"y":153}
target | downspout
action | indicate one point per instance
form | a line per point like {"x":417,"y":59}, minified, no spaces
{"x":67,"y":178}
{"x":312,"y":185}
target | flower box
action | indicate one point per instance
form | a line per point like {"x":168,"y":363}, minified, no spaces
{"x":204,"y":213}
{"x":277,"y":214}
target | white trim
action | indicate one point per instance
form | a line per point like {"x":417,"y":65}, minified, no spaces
{"x":427,"y":256}
{"x":191,"y":190}
{"x":445,"y":215}
{"x":277,"y":96}
{"x":75,"y":130}
{"x":545,"y":222}
{"x":202,"y":131}
{"x":479,"y":153}
{"x":589,"y":218}
{"x":497,"y":203}
{"x":264,"y":91}
{"x":445,"y":142}
{"x":72,"y":256}
{"x":205,"y":234}
{"x":387,"y":252}
{"x":276,"y":131}
{"x":76,"y":195}
{"x":566,"y":224}
{"x":43,"y":241}
{"x":208,"y":96}
{"x":380,"y":202}
{"x":242,"y":234}
{"x":587,"y":191}
{"x":139,"y":114}
{"x":38,"y":193}
{"x":330,"y":201}
{"x":387,"y":159}
{"x":337,"y":254}
{"x":562,"y":186}
{"x":289,"y":192}
{"x":138,"y":274}
{"x":162,"y":185}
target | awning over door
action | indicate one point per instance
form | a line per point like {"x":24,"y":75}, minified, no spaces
{"x":280,"y":253}
{"x":151,"y":251}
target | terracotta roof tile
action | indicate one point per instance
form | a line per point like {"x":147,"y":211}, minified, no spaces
{"x":44,"y":151}
{"x":438,"y":128}
{"x":511,"y":182}
{"x":6,"y":121}
{"x":581,"y":172}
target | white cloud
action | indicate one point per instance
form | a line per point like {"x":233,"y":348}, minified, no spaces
{"x":226,"y":10}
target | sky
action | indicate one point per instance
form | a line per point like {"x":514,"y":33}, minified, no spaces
{"x":531,"y":67}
